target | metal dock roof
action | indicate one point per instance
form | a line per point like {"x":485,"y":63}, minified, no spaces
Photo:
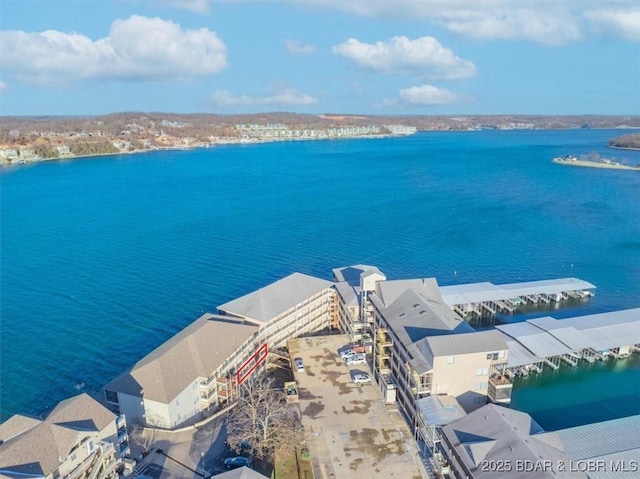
{"x":519,"y":355}
{"x":615,"y":442}
{"x":547,"y":337}
{"x":483,"y":292}
{"x":538,"y":341}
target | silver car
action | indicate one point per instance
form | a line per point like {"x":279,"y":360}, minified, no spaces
{"x":356,"y":359}
{"x":361,"y":378}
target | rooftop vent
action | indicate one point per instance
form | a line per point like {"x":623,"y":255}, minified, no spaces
{"x":402,"y":315}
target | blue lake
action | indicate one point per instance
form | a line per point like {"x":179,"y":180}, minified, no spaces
{"x":104,"y":259}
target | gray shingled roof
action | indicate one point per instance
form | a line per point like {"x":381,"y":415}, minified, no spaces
{"x":348,"y":293}
{"x":81,"y":412}
{"x":389,"y":291}
{"x":194,"y":352}
{"x":495,"y":433}
{"x":38,"y":450}
{"x":351,"y":274}
{"x":268,"y":302}
{"x":414,"y":310}
{"x":452,"y":344}
{"x":16,"y":424}
{"x":34,"y":447}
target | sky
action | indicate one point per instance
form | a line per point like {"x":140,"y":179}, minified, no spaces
{"x":444,"y":57}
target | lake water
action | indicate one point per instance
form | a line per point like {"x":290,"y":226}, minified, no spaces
{"x":104,"y":259}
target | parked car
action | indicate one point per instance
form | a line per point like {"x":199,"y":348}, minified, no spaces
{"x":299,"y":365}
{"x":346,"y":353}
{"x":350,"y":351}
{"x":238,"y":461}
{"x":356,"y":359}
{"x":361,"y":378}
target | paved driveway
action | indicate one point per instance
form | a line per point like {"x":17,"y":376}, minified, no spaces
{"x":351,"y":433}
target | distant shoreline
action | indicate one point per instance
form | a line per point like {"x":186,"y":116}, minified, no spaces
{"x":624,"y":148}
{"x":241,"y":141}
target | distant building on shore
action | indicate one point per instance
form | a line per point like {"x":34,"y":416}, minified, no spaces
{"x":401,"y":129}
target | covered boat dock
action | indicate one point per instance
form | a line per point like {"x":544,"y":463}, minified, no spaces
{"x":487,"y":298}
{"x":547,"y":341}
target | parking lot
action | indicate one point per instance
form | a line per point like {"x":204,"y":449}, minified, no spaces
{"x":350,"y":432}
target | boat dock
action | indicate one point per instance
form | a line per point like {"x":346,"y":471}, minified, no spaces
{"x":478,"y":299}
{"x":548,"y":342}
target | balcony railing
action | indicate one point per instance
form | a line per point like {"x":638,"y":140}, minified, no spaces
{"x":207,"y":385}
{"x":499,"y":389}
{"x":120,"y":421}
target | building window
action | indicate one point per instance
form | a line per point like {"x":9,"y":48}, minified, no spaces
{"x":112,"y":396}
{"x":451,"y":359}
{"x":482,"y":372}
{"x":493,"y":356}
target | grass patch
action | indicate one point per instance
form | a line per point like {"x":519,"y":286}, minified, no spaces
{"x":286,"y":466}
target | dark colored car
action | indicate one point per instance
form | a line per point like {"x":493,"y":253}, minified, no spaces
{"x":238,"y":461}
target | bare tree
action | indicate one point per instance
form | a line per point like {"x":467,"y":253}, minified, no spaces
{"x":143,"y":437}
{"x":262,"y":422}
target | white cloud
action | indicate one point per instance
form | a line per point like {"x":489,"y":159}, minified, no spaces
{"x":3,"y":87}
{"x":427,"y":95}
{"x":551,"y":26}
{"x":424,"y":57}
{"x":138,"y":48}
{"x":299,"y":48}
{"x":552,"y":23}
{"x":625,"y":23}
{"x":286,"y":97}
{"x":196,"y":6}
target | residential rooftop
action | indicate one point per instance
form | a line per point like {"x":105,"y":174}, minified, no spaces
{"x":33,"y":447}
{"x":414,"y":310}
{"x":454,"y":344}
{"x":196,"y":351}
{"x":351,"y":274}
{"x":498,"y":435}
{"x":266,"y":303}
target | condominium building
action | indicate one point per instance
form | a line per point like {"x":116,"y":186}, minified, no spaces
{"x":80,"y":438}
{"x":421,"y":346}
{"x":198,"y":371}
{"x":353,"y":286}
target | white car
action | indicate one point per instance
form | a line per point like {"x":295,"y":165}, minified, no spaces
{"x":361,"y":378}
{"x":299,"y":365}
{"x":356,"y":359}
{"x":347,"y":353}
